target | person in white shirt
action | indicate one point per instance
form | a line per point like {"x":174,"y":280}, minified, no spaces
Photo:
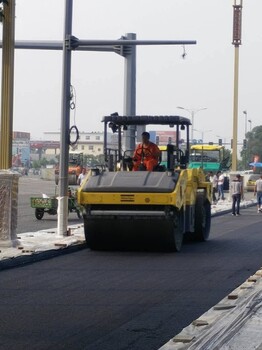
{"x":236,"y":188}
{"x":258,"y":191}
{"x":220,"y":185}
{"x":81,"y":177}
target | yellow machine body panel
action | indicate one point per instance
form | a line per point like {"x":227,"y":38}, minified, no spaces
{"x":195,"y":182}
{"x":189,"y":181}
{"x":175,"y":198}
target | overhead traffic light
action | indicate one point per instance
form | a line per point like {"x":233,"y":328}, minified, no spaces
{"x":245,"y":144}
{"x":220,"y":142}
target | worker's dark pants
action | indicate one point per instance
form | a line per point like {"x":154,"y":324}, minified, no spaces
{"x":259,"y":198}
{"x":236,"y":198}
{"x":220,"y":189}
{"x":214,"y":194}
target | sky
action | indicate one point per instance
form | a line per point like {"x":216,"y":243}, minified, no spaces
{"x":204,"y":79}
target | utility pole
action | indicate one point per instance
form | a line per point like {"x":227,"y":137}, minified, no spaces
{"x":65,"y":123}
{"x":129,"y":141}
{"x":237,"y":21}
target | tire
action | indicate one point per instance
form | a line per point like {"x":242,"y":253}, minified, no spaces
{"x":78,"y":213}
{"x":39,"y":213}
{"x":91,"y":239}
{"x":202,"y":218}
{"x":176,"y":235}
{"x":72,"y":179}
{"x":166,"y":234}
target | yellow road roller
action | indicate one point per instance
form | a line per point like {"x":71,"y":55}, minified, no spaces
{"x":123,"y":208}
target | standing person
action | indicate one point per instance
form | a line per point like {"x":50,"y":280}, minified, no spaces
{"x":236,"y":187}
{"x":213,"y":180}
{"x":81,"y":177}
{"x":208,"y":176}
{"x":258,"y":191}
{"x":220,"y":185}
{"x":146,"y":155}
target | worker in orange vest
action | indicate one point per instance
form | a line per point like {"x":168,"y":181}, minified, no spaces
{"x":146,"y":155}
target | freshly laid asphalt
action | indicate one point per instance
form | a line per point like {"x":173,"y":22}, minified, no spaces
{"x":125,"y":300}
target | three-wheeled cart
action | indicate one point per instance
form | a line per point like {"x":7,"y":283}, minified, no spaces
{"x":49,"y":205}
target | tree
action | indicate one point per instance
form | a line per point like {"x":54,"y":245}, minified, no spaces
{"x":35,"y":164}
{"x":254,"y":145}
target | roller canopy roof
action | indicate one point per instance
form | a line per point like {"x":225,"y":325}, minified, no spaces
{"x":147,"y":119}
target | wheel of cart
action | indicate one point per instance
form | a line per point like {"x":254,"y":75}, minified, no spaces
{"x":39,"y":213}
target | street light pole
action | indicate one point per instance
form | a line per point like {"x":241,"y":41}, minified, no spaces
{"x":193,"y":113}
{"x":245,"y":150}
{"x":237,"y":19}
{"x":250,"y":124}
{"x":245,"y":114}
{"x":202,"y":132}
{"x":193,"y":124}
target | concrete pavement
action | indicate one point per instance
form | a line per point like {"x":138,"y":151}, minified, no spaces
{"x":235,"y":323}
{"x":41,"y":245}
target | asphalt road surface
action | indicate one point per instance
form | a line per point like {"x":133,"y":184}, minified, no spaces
{"x":125,"y":300}
{"x":33,"y":186}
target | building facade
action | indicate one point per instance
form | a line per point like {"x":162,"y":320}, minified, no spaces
{"x":90,"y":143}
{"x":21,"y":149}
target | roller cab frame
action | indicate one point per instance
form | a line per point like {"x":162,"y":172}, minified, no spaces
{"x":123,"y":208}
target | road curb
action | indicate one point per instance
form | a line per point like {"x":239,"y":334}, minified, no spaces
{"x":226,"y":325}
{"x":227,"y":211}
{"x":20,"y":261}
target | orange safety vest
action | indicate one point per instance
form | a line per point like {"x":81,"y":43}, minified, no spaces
{"x":147,"y":155}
